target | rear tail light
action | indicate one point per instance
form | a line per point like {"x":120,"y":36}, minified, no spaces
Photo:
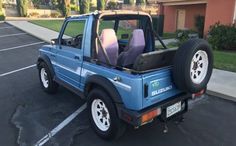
{"x":150,"y":115}
{"x":199,"y":93}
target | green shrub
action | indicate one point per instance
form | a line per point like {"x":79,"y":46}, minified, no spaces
{"x":101,"y":4}
{"x":74,"y":7}
{"x":22,"y":7}
{"x":184,"y":35}
{"x":222,"y":37}
{"x":112,"y":5}
{"x":55,"y":14}
{"x":2,"y":16}
{"x":45,"y":16}
{"x":129,"y":2}
{"x":34,"y":14}
{"x":140,"y":2}
{"x":199,"y":24}
{"x":84,"y":6}
{"x":0,"y":5}
{"x":64,"y":7}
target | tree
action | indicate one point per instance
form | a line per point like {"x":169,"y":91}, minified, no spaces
{"x":64,"y":6}
{"x":0,"y":5}
{"x":101,"y":4}
{"x":22,"y":7}
{"x":129,"y":2}
{"x":2,"y":17}
{"x":140,"y":2}
{"x":84,"y":6}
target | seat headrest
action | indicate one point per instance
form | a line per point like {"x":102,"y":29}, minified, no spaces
{"x":108,"y":38}
{"x":137,"y":39}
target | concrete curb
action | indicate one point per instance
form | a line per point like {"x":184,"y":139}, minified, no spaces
{"x":220,"y":95}
{"x":29,"y":32}
{"x":35,"y":34}
{"x":28,"y":19}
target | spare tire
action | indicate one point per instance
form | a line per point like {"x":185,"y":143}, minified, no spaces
{"x":193,"y":64}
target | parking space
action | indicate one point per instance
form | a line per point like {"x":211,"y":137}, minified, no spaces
{"x":9,"y":30}
{"x":28,"y":114}
{"x":23,"y":105}
{"x":16,"y":41}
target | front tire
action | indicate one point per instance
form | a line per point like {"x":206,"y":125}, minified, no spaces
{"x":46,"y":79}
{"x":103,"y":115}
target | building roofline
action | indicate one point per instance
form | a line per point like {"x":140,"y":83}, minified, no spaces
{"x":181,"y":2}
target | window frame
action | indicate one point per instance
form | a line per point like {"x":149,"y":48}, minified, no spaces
{"x":64,"y":26}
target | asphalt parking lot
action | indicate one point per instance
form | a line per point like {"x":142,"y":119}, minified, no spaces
{"x":28,"y":114}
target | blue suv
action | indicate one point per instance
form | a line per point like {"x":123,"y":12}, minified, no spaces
{"x":110,"y":59}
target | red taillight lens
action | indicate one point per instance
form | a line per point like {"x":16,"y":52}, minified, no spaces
{"x":199,"y":93}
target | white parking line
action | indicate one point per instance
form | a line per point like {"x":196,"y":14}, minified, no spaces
{"x":7,"y":27}
{"x":27,"y":45}
{"x":47,"y":137}
{"x":9,"y":35}
{"x":14,"y":71}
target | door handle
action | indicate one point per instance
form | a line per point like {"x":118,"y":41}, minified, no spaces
{"x":77,"y":57}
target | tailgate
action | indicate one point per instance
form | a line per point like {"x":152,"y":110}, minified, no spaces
{"x":158,"y":86}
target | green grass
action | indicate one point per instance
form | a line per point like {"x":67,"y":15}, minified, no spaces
{"x":50,"y":24}
{"x":168,"y":35}
{"x":57,"y":24}
{"x":170,"y":45}
{"x":225,"y":60}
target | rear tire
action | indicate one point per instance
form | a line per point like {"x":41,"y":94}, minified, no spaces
{"x":46,"y":79}
{"x":193,"y":64}
{"x":103,"y":115}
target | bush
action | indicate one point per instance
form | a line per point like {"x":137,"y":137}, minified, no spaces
{"x":45,"y":16}
{"x":101,"y":4}
{"x":184,"y":35}
{"x":199,"y":24}
{"x":222,"y":37}
{"x":64,"y":6}
{"x":112,"y":5}
{"x":55,"y":14}
{"x":140,"y":2}
{"x":22,"y":7}
{"x":34,"y":14}
{"x":0,"y":5}
{"x":2,"y":16}
{"x":74,"y":7}
{"x":84,"y":6}
{"x":129,"y":2}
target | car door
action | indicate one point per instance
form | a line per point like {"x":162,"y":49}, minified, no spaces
{"x":69,"y":57}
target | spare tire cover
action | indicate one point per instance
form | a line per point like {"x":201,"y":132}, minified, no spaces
{"x":193,"y":64}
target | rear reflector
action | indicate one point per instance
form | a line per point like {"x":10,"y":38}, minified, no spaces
{"x":198,"y":94}
{"x":150,"y":115}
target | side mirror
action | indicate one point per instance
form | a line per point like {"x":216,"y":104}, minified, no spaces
{"x":54,"y":41}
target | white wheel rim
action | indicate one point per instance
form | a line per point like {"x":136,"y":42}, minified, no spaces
{"x":44,"y":78}
{"x":100,"y":114}
{"x":199,"y":66}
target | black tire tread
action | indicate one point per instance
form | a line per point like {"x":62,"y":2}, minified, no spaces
{"x":53,"y":86}
{"x":181,"y":63}
{"x":118,"y":127}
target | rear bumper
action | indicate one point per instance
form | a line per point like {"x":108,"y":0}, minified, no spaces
{"x":135,"y":117}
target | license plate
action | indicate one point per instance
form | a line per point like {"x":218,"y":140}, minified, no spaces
{"x":173,"y":109}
